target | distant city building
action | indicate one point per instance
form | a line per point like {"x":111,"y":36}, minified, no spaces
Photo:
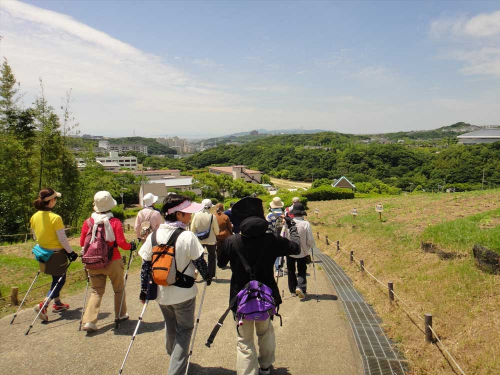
{"x":123,"y":148}
{"x":480,"y":136}
{"x":238,"y":171}
{"x":254,"y":132}
{"x":182,"y":146}
{"x":160,"y":190}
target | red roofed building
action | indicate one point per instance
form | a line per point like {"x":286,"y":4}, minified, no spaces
{"x":238,"y":171}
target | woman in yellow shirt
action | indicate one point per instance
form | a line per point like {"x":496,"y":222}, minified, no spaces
{"x":48,"y":230}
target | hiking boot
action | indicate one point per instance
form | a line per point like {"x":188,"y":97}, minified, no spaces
{"x":59,"y":306}
{"x":90,"y":327}
{"x":300,"y":293}
{"x":265,"y":371}
{"x":43,"y":315}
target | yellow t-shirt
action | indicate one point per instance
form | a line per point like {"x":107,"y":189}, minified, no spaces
{"x":45,"y":224}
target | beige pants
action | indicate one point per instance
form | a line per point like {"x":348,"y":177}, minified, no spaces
{"x":247,"y":362}
{"x":115,"y":272}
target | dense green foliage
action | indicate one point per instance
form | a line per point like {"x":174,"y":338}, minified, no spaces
{"x":327,"y":193}
{"x":382,"y":165}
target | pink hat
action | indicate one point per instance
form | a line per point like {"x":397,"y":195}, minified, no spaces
{"x":186,"y":207}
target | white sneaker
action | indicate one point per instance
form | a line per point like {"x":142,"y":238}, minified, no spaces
{"x":124,"y":317}
{"x":300,"y":293}
{"x":90,"y":327}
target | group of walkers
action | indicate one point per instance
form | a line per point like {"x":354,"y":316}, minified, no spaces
{"x":242,"y":237}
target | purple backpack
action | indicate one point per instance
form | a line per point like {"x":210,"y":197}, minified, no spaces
{"x":255,"y":302}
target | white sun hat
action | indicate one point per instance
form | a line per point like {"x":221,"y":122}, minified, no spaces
{"x":149,"y":199}
{"x":103,"y":201}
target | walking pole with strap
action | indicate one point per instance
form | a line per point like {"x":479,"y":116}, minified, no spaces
{"x":219,"y":324}
{"x":138,"y":324}
{"x":196,"y":327}
{"x":24,"y":299}
{"x":117,"y":320}
{"x":46,"y":302}
{"x":84,"y":300}
{"x":314,"y":270}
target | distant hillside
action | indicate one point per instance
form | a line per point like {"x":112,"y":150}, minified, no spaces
{"x":282,"y":131}
{"x":450,"y":131}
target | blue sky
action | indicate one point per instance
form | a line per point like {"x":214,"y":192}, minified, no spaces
{"x":211,"y":68}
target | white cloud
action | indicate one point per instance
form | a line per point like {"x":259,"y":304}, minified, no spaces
{"x":480,"y":26}
{"x":300,"y":72}
{"x":483,"y":25}
{"x":378,"y":73}
{"x":485,"y":61}
{"x":206,"y":63}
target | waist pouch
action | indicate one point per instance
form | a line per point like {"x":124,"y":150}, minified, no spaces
{"x":42,"y":255}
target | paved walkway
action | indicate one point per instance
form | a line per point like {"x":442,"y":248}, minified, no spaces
{"x":315,"y":338}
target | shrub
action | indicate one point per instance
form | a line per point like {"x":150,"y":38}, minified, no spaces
{"x":325,"y":193}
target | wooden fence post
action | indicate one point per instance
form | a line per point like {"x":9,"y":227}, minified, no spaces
{"x":428,"y":325}
{"x":338,"y":245}
{"x":351,"y":257}
{"x":13,"y":295}
{"x":326,"y":238}
{"x":362,"y":265}
{"x":317,"y":234}
{"x":390,"y":285}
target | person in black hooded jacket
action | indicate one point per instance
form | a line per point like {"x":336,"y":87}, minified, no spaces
{"x":260,"y":250}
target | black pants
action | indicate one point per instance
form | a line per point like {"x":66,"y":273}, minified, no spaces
{"x":212,"y":259}
{"x":295,"y":282}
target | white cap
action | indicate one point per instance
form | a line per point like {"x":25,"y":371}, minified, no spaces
{"x":149,"y":199}
{"x":207,"y":203}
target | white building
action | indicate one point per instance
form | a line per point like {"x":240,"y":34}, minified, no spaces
{"x":480,"y":136}
{"x":113,"y":162}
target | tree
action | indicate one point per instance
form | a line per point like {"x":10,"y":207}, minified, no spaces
{"x":9,"y":89}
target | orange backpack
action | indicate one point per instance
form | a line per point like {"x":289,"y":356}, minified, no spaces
{"x":163,"y":260}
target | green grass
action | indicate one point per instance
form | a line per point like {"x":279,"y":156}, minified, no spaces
{"x":463,"y":233}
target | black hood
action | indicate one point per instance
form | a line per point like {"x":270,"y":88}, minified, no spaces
{"x":247,"y":207}
{"x":253,"y":226}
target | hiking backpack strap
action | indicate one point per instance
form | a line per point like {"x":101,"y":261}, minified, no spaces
{"x":211,"y":338}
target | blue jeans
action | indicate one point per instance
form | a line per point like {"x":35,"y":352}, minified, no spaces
{"x":57,"y":289}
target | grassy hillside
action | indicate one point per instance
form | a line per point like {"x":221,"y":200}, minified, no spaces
{"x":464,"y":301}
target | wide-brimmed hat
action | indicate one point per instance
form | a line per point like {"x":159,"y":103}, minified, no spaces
{"x":187,"y":207}
{"x":276,"y":203}
{"x":207,"y":203}
{"x":149,"y":199}
{"x":103,"y":201}
{"x":295,"y":200}
{"x":298,"y":209}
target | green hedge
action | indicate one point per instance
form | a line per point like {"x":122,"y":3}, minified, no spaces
{"x":326,"y":193}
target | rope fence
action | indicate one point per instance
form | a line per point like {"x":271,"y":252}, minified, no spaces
{"x":430,"y":333}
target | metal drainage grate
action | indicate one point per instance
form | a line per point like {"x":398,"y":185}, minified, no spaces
{"x":377,"y":351}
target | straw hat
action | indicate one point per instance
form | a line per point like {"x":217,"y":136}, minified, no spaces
{"x":276,"y":203}
{"x":103,"y":201}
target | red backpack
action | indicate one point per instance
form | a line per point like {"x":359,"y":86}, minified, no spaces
{"x":97,"y":254}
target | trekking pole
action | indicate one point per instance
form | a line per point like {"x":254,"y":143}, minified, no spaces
{"x":46,"y":302}
{"x":26,"y":295}
{"x":314,"y":271}
{"x":136,"y":328}
{"x":117,"y":320}
{"x":196,"y":327}
{"x":84,"y":300}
